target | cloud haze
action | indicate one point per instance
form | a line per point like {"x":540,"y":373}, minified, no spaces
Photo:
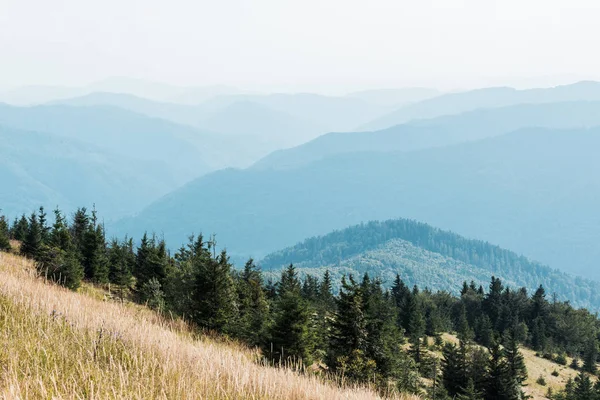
{"x":332,"y":43}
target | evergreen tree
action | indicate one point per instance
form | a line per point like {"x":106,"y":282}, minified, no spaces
{"x":59,"y":236}
{"x":349,"y":327}
{"x":215,"y":306}
{"x":590,"y":356}
{"x":290,"y":332}
{"x":33,"y":239}
{"x":79,"y":229}
{"x":516,"y":369}
{"x":43,"y":224}
{"x":416,"y":327}
{"x":253,"y":305}
{"x":93,"y":253}
{"x":20,"y":228}
{"x":60,"y":266}
{"x":454,"y":370}
{"x":326,"y":292}
{"x":584,"y":389}
{"x":121,"y":260}
{"x":470,"y":392}
{"x":464,"y":332}
{"x":4,"y":235}
{"x":499,"y":384}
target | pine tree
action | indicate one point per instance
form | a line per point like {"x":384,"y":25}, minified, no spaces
{"x":33,"y":239}
{"x":253,"y":305}
{"x":43,"y":223}
{"x":79,"y":229}
{"x":290,"y":332}
{"x":402,"y":296}
{"x":60,"y":266}
{"x":516,"y":369}
{"x":470,"y":392}
{"x":464,"y":332}
{"x":121,"y":261}
{"x":416,"y":326}
{"x":93,"y":253}
{"x":214,"y":296}
{"x":349,"y":327}
{"x":60,"y":236}
{"x":590,"y":356}
{"x":499,"y":382}
{"x":4,"y":235}
{"x":20,"y":228}
{"x":453,"y":370}
{"x":326,"y":292}
{"x":583,"y":388}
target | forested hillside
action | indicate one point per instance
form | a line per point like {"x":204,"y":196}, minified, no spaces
{"x":428,"y":257}
{"x":534,"y":204}
{"x":389,"y":339}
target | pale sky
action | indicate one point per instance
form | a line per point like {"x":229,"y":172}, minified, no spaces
{"x":312,"y":43}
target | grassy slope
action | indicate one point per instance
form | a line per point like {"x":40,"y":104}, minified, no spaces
{"x":59,"y":344}
{"x":536,"y":367}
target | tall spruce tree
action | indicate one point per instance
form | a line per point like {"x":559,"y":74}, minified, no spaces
{"x":290,"y":333}
{"x":590,"y":356}
{"x":32,"y":243}
{"x":4,"y":235}
{"x":20,"y":228}
{"x":214,"y":296}
{"x":253,"y":306}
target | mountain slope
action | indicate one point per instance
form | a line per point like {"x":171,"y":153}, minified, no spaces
{"x":427,"y":257}
{"x":441,"y":131}
{"x":123,"y":133}
{"x":454,"y":103}
{"x":533,"y":191}
{"x":61,"y":344}
{"x":33,"y":173}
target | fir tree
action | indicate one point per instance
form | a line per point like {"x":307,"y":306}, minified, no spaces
{"x":290,"y":332}
{"x":4,"y":235}
{"x":349,"y":327}
{"x":214,"y":296}
{"x":515,"y":364}
{"x":416,"y":326}
{"x":20,"y":228}
{"x":470,"y":392}
{"x":33,"y":240}
{"x":590,"y":356}
{"x":584,"y":389}
{"x":253,"y":305}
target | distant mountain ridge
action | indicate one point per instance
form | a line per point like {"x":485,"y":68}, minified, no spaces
{"x":428,"y":257}
{"x":455,"y":103}
{"x":441,"y":131}
{"x":32,"y":173}
{"x":531,"y":191}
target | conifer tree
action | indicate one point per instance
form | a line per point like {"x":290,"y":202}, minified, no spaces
{"x":499,"y":384}
{"x":453,"y":369}
{"x":515,"y":364}
{"x":253,"y":305}
{"x":121,"y":260}
{"x":4,"y":235}
{"x":349,"y":327}
{"x":60,"y":236}
{"x":214,"y":295}
{"x":326,"y":292}
{"x":590,"y":356}
{"x":79,"y":229}
{"x":470,"y":392}
{"x":584,"y":389}
{"x":93,"y":252}
{"x":33,"y":239}
{"x":416,"y":326}
{"x":290,"y":332}
{"x":20,"y":228}
{"x":43,"y":223}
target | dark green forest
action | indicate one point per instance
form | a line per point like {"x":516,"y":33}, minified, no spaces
{"x":389,"y":338}
{"x":363,"y":249}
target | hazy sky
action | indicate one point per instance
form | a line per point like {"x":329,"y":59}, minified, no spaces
{"x":312,"y":43}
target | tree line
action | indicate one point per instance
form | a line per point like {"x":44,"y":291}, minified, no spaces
{"x":391,"y":339}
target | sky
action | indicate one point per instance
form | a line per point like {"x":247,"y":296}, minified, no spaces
{"x":312,"y":44}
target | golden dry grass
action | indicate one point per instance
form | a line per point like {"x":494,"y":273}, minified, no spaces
{"x":57,"y":344}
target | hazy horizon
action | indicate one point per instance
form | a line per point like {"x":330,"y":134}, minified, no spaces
{"x":333,"y":48}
